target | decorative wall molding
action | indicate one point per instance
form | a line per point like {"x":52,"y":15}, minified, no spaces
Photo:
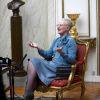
{"x":51,"y":20}
{"x":82,"y":8}
{"x":92,"y":41}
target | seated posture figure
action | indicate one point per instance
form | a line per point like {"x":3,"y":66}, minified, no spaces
{"x":63,"y":50}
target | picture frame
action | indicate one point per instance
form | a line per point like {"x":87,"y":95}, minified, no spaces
{"x":83,"y":8}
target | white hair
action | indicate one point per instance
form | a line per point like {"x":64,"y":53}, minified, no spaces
{"x":67,"y":22}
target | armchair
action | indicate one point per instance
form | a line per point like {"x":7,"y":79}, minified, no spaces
{"x":76,"y":77}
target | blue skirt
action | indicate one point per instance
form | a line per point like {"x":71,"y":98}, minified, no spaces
{"x":46,"y":70}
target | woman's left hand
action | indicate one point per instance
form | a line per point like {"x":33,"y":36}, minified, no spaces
{"x":59,"y":49}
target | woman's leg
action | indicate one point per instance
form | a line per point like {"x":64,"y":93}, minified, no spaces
{"x":31,"y":81}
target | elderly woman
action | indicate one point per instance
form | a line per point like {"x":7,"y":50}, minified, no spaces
{"x":63,"y":50}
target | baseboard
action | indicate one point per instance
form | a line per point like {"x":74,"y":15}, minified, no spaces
{"x":92,"y":78}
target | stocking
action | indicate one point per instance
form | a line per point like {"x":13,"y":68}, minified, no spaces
{"x":31,"y":80}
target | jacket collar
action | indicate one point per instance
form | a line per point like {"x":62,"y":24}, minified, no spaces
{"x":64,"y":38}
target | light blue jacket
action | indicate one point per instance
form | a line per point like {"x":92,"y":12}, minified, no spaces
{"x":67,"y":58}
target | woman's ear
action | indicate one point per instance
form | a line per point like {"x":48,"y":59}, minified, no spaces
{"x":67,"y":28}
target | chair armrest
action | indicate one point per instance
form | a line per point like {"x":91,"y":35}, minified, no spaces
{"x":71,"y":76}
{"x":73,"y":70}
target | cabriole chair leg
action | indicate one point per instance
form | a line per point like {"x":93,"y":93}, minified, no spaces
{"x":59,"y":95}
{"x":82,"y":91}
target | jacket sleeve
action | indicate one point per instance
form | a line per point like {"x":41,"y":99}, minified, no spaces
{"x":47,"y":53}
{"x":70,"y":55}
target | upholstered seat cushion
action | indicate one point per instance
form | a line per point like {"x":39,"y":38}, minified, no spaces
{"x":61,"y":83}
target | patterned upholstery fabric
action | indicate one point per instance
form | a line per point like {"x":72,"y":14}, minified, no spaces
{"x":61,"y":83}
{"x":81,"y":51}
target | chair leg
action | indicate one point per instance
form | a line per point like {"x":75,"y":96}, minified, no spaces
{"x":59,"y":95}
{"x":82,"y":91}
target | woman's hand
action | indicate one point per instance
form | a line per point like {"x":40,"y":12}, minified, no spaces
{"x":33,"y":45}
{"x":59,"y":49}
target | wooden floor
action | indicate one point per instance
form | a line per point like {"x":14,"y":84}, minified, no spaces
{"x":92,"y":92}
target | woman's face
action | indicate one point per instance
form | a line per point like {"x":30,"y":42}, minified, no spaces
{"x":62,"y":28}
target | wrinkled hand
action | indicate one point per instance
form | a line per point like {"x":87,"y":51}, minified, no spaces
{"x":33,"y":44}
{"x":59,"y":49}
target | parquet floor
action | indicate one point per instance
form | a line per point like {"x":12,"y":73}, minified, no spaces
{"x":92,"y":92}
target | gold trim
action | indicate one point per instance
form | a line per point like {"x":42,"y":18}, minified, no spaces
{"x":89,"y":15}
{"x":62,"y":8}
{"x":92,"y":41}
{"x":98,"y":37}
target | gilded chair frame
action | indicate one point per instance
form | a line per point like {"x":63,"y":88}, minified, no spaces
{"x":70,"y":85}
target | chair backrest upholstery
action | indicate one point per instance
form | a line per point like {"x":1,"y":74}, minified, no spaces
{"x":82,"y":52}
